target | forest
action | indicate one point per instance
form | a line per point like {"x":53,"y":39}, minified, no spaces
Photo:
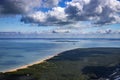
{"x":77,"y":64}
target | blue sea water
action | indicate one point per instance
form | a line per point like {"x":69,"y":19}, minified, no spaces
{"x":18,"y":52}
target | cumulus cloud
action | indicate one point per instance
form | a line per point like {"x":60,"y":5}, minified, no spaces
{"x":24,"y":6}
{"x":106,"y":31}
{"x":18,"y":6}
{"x":98,"y":12}
{"x":56,"y":16}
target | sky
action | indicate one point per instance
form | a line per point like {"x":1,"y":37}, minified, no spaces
{"x":60,"y":16}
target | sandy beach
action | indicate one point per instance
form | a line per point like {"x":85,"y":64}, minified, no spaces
{"x":26,"y":66}
{"x":36,"y":62}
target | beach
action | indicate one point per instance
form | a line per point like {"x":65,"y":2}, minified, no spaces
{"x":17,"y":53}
{"x":26,"y":66}
{"x":57,"y":60}
{"x":75,"y":64}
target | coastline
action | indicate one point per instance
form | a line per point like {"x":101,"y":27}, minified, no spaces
{"x":80,"y":63}
{"x":39,"y":61}
{"x":26,"y":66}
{"x":36,"y":62}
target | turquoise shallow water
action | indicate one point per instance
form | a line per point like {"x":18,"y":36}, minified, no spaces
{"x":18,"y":52}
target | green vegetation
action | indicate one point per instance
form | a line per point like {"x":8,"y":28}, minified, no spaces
{"x":78,"y":64}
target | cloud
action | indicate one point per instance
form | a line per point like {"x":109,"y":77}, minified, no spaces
{"x":107,"y":31}
{"x":24,"y":6}
{"x":61,"y":31}
{"x":54,"y":17}
{"x":98,"y":12}
{"x":50,"y":3}
{"x":17,"y":6}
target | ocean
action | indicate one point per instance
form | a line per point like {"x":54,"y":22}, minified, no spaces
{"x":19,"y":52}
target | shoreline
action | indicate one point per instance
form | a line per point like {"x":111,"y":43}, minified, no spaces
{"x":26,"y":66}
{"x":79,"y":64}
{"x":36,"y":62}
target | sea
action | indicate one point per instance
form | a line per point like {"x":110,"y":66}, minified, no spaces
{"x":17,"y":52}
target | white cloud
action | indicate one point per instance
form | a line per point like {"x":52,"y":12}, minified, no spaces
{"x":56,"y":16}
{"x":58,"y":13}
{"x":107,"y":31}
{"x":99,"y":12}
